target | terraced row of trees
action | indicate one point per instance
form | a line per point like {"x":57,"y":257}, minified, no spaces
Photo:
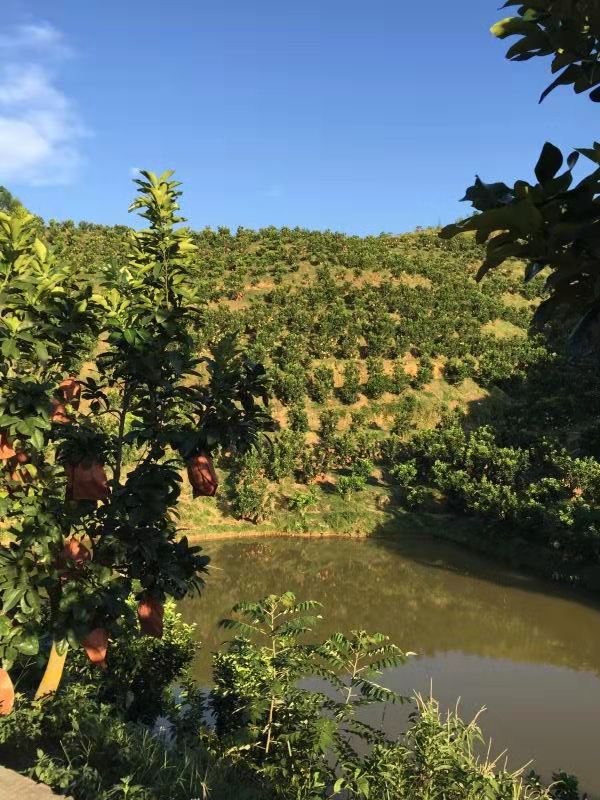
{"x":364,"y":342}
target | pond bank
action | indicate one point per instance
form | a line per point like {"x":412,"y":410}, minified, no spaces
{"x":465,"y":532}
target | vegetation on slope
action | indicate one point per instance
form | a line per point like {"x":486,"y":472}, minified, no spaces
{"x":367,"y":341}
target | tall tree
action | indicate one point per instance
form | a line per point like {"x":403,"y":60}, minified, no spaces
{"x":84,"y":527}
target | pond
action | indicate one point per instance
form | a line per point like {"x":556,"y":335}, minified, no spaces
{"x":527,"y":650}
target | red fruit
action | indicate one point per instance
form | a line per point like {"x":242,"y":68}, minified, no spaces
{"x":6,"y":450}
{"x":7,"y":693}
{"x":95,"y":645}
{"x":86,"y":481}
{"x":59,"y":412}
{"x":71,"y":391}
{"x":202,"y":475}
{"x":15,"y":463}
{"x":75,"y":550}
{"x":150,"y":614}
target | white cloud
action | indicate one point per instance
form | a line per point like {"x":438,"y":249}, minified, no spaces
{"x":42,"y":38}
{"x":40,"y":130}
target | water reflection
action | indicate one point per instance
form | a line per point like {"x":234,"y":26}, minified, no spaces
{"x":531,"y":654}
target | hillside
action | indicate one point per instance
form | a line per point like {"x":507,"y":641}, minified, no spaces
{"x":368,"y":341}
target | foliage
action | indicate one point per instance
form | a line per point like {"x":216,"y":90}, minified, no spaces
{"x":80,"y":746}
{"x":377,"y":381}
{"x":301,"y":503}
{"x":567,"y":31}
{"x":350,"y":389}
{"x":291,"y":735}
{"x":123,"y":732}
{"x":143,"y":393}
{"x":298,"y":419}
{"x":140,"y":670}
{"x":311,"y":743}
{"x":248,"y":488}
{"x":288,"y":726}
{"x":321,"y":384}
{"x":551,"y":222}
{"x":419,"y":290}
{"x":424,"y":373}
{"x":348,"y":485}
{"x":540,"y":491}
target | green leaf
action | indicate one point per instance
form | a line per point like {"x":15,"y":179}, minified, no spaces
{"x":9,"y":349}
{"x":12,"y":597}
{"x":28,"y":644}
{"x":549,"y":163}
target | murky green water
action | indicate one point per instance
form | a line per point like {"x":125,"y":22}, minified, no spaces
{"x":527,"y":651}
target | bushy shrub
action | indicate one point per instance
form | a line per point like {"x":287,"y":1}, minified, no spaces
{"x":82,"y":747}
{"x":542,"y":492}
{"x":457,"y":370}
{"x":278,"y":734}
{"x":141,"y":669}
{"x":424,"y":373}
{"x":347,"y":485}
{"x":290,"y":734}
{"x":289,"y":385}
{"x":403,"y":415}
{"x":399,"y":380}
{"x":281,"y":457}
{"x":320,"y":385}
{"x":307,"y":742}
{"x":350,"y":389}
{"x":298,"y":418}
{"x":248,"y":489}
{"x":377,"y":381}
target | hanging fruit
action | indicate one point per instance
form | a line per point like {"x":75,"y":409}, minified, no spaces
{"x":7,"y":693}
{"x":70,"y":389}
{"x":95,"y":645}
{"x":70,"y":393}
{"x":6,"y":449}
{"x":150,"y":614}
{"x":202,"y":475}
{"x":86,"y":481}
{"x":17,"y":473}
{"x":58,"y":412}
{"x":74,"y":550}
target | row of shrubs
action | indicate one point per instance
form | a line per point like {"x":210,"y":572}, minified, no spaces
{"x":537,"y":490}
{"x":540,"y":492}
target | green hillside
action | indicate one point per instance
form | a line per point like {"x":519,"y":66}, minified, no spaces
{"x":368,"y":341}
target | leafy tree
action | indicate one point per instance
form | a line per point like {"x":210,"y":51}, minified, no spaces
{"x":249,"y":491}
{"x":321,"y":384}
{"x":301,"y":503}
{"x":377,"y":381}
{"x":298,"y":418}
{"x":403,"y":415}
{"x":400,"y":379}
{"x":568,"y":31}
{"x":424,"y":373}
{"x":349,"y":391}
{"x":551,"y":222}
{"x":295,"y":736}
{"x":347,"y":485}
{"x":8,"y":203}
{"x":457,"y":370}
{"x":78,"y":539}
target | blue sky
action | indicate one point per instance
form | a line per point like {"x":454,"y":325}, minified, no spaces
{"x":353,"y":116}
